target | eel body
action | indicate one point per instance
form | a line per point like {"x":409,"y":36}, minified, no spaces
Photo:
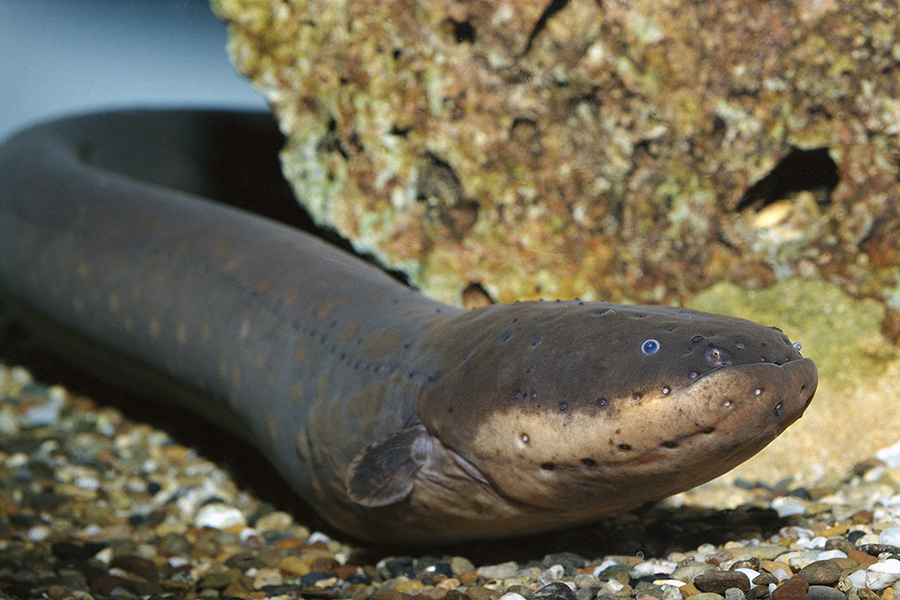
{"x":396,"y":417}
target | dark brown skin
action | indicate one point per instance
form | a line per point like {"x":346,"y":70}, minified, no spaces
{"x":396,"y":417}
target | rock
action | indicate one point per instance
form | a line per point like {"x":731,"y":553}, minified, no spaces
{"x":219,"y":516}
{"x":794,"y":588}
{"x":555,"y":591}
{"x":719,"y":581}
{"x":824,"y":592}
{"x":821,"y":572}
{"x":883,"y":574}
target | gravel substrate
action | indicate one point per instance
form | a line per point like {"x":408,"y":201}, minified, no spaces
{"x":93,"y":505}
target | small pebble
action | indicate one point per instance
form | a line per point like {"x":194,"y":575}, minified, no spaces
{"x":219,"y":516}
{"x":719,"y":581}
{"x":890,"y":537}
{"x":821,"y":572}
{"x":554,"y":591}
{"x":883,"y":574}
{"x":824,"y":592}
{"x":794,"y":588}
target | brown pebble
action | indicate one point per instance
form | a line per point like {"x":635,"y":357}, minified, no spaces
{"x":764,"y":579}
{"x":236,"y":590}
{"x":757,"y":592}
{"x":719,"y":581}
{"x":58,"y":592}
{"x":867,"y":594}
{"x":862,"y":558}
{"x":792,"y":589}
{"x":719,"y":557}
{"x":106,"y":583}
{"x":142,"y":567}
{"x":345,"y":571}
{"x":862,"y":517}
{"x":392,"y":595}
{"x":456,"y":595}
{"x":468,"y":578}
{"x":774,"y":565}
{"x":821,"y":572}
{"x":478,"y":592}
{"x":688,"y":590}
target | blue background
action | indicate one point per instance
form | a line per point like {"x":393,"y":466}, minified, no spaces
{"x":63,"y":56}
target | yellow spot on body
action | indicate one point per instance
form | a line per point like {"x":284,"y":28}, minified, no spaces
{"x":289,"y":298}
{"x":300,"y":354}
{"x":112,"y":302}
{"x":297,"y":394}
{"x":231,"y":266}
{"x":223,"y":368}
{"x":265,"y":286}
{"x":153,"y":327}
{"x":181,"y":333}
{"x":236,"y":376}
{"x":206,"y":333}
{"x":83,"y":269}
{"x":302,"y":444}
{"x":271,"y":425}
{"x":170,"y":365}
{"x":78,"y":304}
{"x":245,"y":330}
{"x":128,"y":324}
{"x":223,"y":245}
{"x":260,"y":360}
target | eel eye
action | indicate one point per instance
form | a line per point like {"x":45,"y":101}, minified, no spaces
{"x":650,"y":347}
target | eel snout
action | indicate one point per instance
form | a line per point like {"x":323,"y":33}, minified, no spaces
{"x":651,"y":448}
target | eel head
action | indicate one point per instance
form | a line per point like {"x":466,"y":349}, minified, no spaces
{"x":552,"y":414}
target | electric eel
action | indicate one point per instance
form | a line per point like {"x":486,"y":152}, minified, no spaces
{"x":397,"y":418}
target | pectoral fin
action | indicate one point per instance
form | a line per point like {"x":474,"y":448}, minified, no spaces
{"x":383,"y":472}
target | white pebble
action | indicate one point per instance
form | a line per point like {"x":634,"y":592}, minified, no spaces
{"x":857,"y":580}
{"x":318,"y":536}
{"x":670,"y":582}
{"x":890,"y":537}
{"x":501,"y":571}
{"x":554,"y":573}
{"x":38,"y":533}
{"x":105,"y":556}
{"x":512,"y":596}
{"x":219,"y":516}
{"x":890,"y":455}
{"x":48,"y":413}
{"x":828,"y":554}
{"x":9,"y":423}
{"x":788,"y":507}
{"x":750,"y":573}
{"x":883,"y":574}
